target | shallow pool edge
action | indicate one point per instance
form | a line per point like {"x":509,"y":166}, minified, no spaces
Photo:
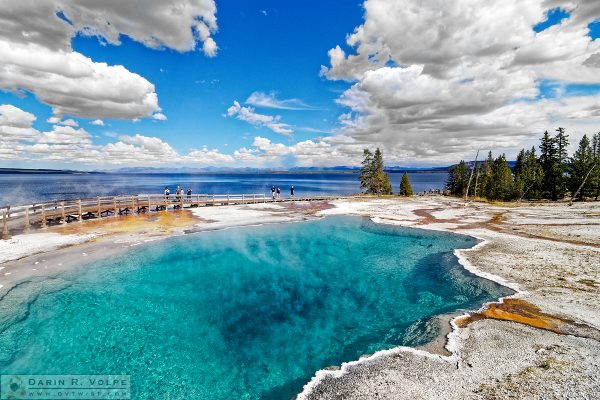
{"x":452,"y":338}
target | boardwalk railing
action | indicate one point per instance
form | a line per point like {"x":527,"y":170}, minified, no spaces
{"x":65,"y":211}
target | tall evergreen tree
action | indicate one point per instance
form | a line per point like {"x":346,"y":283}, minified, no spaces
{"x":366,"y":171}
{"x":595,"y":178}
{"x":562,"y":142}
{"x":458,"y":177}
{"x":373,"y":179}
{"x":579,"y":168}
{"x":550,"y":166}
{"x":381,"y":178}
{"x":405,"y":187}
{"x":502,"y":181}
{"x":520,"y":162}
{"x":486,"y":177}
{"x":528,"y":175}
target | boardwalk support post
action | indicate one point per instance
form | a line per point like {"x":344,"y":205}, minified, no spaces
{"x":79,"y":214}
{"x":43,"y":217}
{"x":132,"y":204}
{"x":5,"y":233}
{"x":99,"y":209}
{"x":26,"y":220}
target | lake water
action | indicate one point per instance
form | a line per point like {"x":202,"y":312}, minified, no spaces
{"x":15,"y":188}
{"x":243,"y":313}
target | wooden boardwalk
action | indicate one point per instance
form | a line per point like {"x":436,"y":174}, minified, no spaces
{"x":63,"y":212}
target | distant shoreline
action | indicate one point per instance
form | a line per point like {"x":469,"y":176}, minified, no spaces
{"x":233,"y":172}
{"x":7,"y":171}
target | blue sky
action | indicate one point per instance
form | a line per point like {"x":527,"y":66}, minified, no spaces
{"x":169,"y":84}
{"x":552,"y":89}
{"x":278,"y":52}
{"x":264,"y":46}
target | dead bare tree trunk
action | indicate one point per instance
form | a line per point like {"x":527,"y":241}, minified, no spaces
{"x":582,"y":183}
{"x":471,"y":176}
{"x":527,"y":190}
{"x":476,"y":183}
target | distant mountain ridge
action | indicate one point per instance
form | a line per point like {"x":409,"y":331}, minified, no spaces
{"x":184,"y":170}
{"x":214,"y":170}
{"x":42,"y":171}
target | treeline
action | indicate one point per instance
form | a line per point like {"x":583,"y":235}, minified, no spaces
{"x":551,"y":175}
{"x":374,"y":180}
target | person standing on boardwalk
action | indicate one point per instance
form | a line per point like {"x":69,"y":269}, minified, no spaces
{"x":189,"y":193}
{"x":167,"y":192}
{"x":273,"y":192}
{"x":278,"y":193}
{"x":292,"y":191}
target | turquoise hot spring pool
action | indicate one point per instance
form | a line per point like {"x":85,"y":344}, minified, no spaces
{"x":242,"y":313}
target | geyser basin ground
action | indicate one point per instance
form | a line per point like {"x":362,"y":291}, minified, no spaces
{"x":248,"y":312}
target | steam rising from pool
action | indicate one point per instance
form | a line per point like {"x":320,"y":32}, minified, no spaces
{"x":242,"y":313}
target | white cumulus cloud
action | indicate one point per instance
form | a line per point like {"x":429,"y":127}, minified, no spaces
{"x":208,"y":156}
{"x":71,"y":145}
{"x":68,"y":122}
{"x":324,"y":152}
{"x":435,"y":80}
{"x":270,"y":100}
{"x":36,"y":54}
{"x":15,"y":125}
{"x":248,"y":114}
{"x":159,"y":117}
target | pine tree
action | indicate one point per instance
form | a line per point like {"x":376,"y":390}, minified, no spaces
{"x":549,"y":162}
{"x":562,"y":142}
{"x":528,"y":175}
{"x":373,"y":178}
{"x":486,"y":177}
{"x":519,"y":186}
{"x":520,"y":162}
{"x":366,"y":171}
{"x":405,"y":187}
{"x":532,"y":175}
{"x":581,"y":164}
{"x":458,"y":177}
{"x":502,"y":181}
{"x":595,"y":177}
{"x":382,"y":180}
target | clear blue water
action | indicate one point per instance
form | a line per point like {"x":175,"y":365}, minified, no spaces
{"x":242,"y":313}
{"x":47,"y":187}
